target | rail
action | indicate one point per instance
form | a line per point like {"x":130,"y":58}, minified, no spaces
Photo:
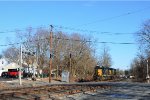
{"x":48,"y":91}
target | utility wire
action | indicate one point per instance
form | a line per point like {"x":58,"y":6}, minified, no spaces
{"x":72,"y":29}
{"x":109,"y":33}
{"x":69,"y":28}
{"x":17,"y":43}
{"x":114,"y":17}
{"x":102,"y":20}
{"x":20,"y":30}
{"x":91,"y":31}
{"x":82,"y":30}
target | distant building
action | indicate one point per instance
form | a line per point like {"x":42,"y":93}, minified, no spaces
{"x":3,"y":63}
{"x":11,"y":66}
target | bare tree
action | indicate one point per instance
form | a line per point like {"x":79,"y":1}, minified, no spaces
{"x":73,"y":53}
{"x":70,"y":52}
{"x":41,"y":43}
{"x":138,"y":66}
{"x":26,"y":38}
{"x":12,"y":53}
{"x":83,"y":61}
{"x":105,"y":58}
{"x":144,"y":37}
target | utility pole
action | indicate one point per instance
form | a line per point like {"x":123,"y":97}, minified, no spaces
{"x":70,"y":56}
{"x":147,"y":77}
{"x":70,"y":64}
{"x":50,"y":63}
{"x":20,"y":82}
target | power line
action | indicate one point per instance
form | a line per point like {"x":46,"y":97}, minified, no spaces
{"x":18,"y":43}
{"x":101,"y":42}
{"x":91,"y":31}
{"x":101,"y":20}
{"x":108,"y":33}
{"x":68,"y":28}
{"x":23,"y":29}
{"x":75,"y":29}
{"x":114,"y":17}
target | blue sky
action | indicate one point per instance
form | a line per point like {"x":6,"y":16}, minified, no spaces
{"x":87,"y":15}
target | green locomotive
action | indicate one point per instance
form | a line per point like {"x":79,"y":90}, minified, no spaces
{"x":104,"y":73}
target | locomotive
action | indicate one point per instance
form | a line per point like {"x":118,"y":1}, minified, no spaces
{"x":104,"y":73}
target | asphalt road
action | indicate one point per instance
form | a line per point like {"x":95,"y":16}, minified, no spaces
{"x":118,"y":91}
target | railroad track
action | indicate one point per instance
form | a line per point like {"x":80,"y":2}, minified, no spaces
{"x":51,"y":92}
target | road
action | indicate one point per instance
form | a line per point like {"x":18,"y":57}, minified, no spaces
{"x":117,"y":90}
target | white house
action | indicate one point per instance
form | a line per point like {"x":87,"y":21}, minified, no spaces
{"x":3,"y":62}
{"x":11,"y":66}
{"x":6,"y":64}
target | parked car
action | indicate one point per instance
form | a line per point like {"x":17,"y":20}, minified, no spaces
{"x":1,"y":71}
{"x":4,"y":74}
{"x":13,"y":72}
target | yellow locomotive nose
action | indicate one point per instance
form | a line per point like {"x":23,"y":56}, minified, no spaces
{"x":99,"y":72}
{"x":104,"y":73}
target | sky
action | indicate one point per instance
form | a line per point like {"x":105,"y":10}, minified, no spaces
{"x":101,"y":20}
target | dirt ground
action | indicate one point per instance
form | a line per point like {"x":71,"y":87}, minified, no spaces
{"x":3,"y":86}
{"x":27,"y":82}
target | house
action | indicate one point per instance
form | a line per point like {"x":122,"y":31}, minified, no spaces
{"x":6,"y":64}
{"x":11,"y":66}
{"x":3,"y":62}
